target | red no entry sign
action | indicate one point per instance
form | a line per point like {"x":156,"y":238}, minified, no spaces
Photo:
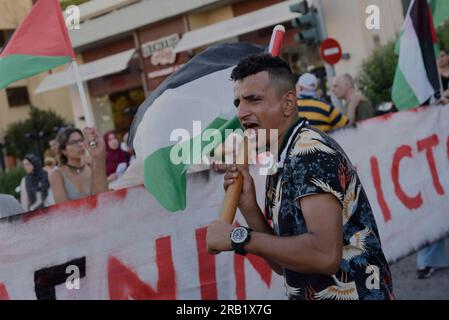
{"x":330,"y":51}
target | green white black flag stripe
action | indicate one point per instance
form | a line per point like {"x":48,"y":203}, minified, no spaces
{"x":416,"y":79}
{"x":200,"y":91}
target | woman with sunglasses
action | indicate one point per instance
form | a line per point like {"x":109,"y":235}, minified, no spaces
{"x":74,"y":179}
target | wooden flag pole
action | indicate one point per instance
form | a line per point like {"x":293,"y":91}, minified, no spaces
{"x":232,"y":196}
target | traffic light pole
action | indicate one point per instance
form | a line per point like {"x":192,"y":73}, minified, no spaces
{"x":330,"y":71}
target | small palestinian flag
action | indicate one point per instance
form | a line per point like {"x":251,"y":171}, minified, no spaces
{"x":39,"y":44}
{"x":416,"y":79}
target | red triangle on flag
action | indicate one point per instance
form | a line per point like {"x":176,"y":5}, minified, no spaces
{"x":42,"y":33}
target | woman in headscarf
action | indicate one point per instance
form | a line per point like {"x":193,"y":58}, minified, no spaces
{"x":35,"y":185}
{"x":115,"y":156}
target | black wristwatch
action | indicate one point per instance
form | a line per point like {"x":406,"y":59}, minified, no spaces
{"x":239,"y":237}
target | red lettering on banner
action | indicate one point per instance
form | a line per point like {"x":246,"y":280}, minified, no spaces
{"x":125,"y":284}
{"x":410,"y":202}
{"x":427,"y":144}
{"x":447,"y":145}
{"x":239,"y":269}
{"x":3,"y":293}
{"x":378,"y":186}
{"x":206,"y":265}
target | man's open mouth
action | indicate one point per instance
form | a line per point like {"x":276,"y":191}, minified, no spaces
{"x":251,"y":125}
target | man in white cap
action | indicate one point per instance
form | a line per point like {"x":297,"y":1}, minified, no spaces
{"x":307,"y":86}
{"x":320,"y":114}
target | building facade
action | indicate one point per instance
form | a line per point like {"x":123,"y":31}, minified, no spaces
{"x":126,"y":48}
{"x":346,"y":22}
{"x":115,"y":97}
{"x":15,"y":101}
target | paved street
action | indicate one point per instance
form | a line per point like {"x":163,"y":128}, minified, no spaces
{"x":407,"y":286}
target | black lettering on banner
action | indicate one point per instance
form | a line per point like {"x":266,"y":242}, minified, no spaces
{"x":45,"y":280}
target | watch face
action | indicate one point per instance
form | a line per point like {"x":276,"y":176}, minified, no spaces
{"x":239,"y":235}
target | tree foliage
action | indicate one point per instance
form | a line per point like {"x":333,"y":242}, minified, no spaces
{"x":443,"y":36}
{"x":33,"y":134}
{"x":376,"y":75}
{"x":9,"y":181}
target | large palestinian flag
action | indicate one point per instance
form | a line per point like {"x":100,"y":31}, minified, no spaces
{"x":416,"y":79}
{"x":39,"y":44}
{"x":200,"y":91}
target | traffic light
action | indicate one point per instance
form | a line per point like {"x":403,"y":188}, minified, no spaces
{"x":308,"y":23}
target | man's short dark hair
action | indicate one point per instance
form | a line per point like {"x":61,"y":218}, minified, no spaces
{"x":278,"y":70}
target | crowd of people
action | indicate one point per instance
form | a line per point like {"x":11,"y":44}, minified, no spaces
{"x":76,"y":165}
{"x":322,"y":114}
{"x":75,"y":168}
{"x":80,"y":163}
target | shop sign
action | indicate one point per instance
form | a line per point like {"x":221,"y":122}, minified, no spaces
{"x":150,"y":48}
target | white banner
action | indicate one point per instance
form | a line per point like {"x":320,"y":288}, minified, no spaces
{"x":402,"y":160}
{"x":122,"y":245}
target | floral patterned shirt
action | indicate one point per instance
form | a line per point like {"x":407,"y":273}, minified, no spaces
{"x":310,"y":163}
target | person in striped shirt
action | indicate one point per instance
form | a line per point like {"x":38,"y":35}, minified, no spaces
{"x":320,"y":114}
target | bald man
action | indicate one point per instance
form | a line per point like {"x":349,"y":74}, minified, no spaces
{"x":357,"y":106}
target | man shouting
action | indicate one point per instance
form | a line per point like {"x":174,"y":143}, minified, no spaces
{"x":324,"y":238}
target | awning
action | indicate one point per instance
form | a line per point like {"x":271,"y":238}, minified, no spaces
{"x":88,"y":71}
{"x":249,"y":22}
